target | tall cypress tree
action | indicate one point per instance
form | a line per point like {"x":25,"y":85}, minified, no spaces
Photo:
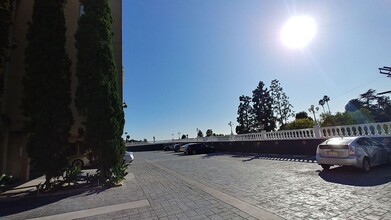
{"x":5,"y":26}
{"x":244,"y":117}
{"x":281,"y":106}
{"x":97,"y":95}
{"x":262,"y":108}
{"x":46,"y":94}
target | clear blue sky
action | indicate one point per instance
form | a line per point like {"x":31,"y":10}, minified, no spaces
{"x":187,"y":62}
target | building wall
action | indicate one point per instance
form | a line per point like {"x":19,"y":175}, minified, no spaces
{"x":12,"y":142}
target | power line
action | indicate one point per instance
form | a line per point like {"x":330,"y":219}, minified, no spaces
{"x":356,"y":87}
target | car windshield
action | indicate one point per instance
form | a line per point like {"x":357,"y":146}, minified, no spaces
{"x":339,"y":141}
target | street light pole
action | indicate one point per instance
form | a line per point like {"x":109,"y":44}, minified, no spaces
{"x":230,"y":124}
{"x":312,"y":110}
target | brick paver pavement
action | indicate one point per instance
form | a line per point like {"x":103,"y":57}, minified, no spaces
{"x":290,"y":189}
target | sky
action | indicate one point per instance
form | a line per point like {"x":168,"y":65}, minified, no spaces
{"x":187,"y":62}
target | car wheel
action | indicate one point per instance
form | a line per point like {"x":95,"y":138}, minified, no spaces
{"x":325,"y":166}
{"x":78,"y":163}
{"x":366,"y":166}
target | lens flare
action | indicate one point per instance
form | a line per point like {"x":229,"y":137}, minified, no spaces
{"x":298,"y":31}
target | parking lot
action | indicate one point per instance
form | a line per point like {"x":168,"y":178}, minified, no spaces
{"x":168,"y":185}
{"x":293,"y":187}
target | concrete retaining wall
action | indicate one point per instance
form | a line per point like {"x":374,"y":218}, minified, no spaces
{"x":294,"y":147}
{"x":283,"y":147}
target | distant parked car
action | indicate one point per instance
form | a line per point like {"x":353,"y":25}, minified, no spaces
{"x":183,"y":147}
{"x":128,"y":157}
{"x":176,"y":148}
{"x":361,"y":152}
{"x":78,"y":156}
{"x":179,"y":148}
{"x":169,"y":147}
{"x":198,"y":148}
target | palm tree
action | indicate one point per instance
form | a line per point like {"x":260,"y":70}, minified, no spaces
{"x":321,"y":102}
{"x":327,"y":99}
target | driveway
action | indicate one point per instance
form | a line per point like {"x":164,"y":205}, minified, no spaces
{"x":168,"y":185}
{"x":292,"y":187}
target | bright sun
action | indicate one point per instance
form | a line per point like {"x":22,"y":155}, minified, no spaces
{"x":298,"y":32}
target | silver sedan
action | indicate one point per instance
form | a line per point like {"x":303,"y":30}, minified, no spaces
{"x":361,"y":152}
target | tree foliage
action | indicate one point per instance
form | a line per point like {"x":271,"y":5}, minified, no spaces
{"x":244,"y":115}
{"x":300,"y":123}
{"x":200,"y":134}
{"x":5,"y":32}
{"x":353,"y":105}
{"x":209,"y":132}
{"x":367,"y":98}
{"x":262,"y":109}
{"x":97,"y":95}
{"x":379,"y":107}
{"x":282,"y":109}
{"x":46,"y":93}
{"x":302,"y":120}
{"x":360,"y":116}
{"x":301,"y":115}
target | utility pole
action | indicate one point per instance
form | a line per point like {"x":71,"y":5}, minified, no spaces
{"x":386,"y":70}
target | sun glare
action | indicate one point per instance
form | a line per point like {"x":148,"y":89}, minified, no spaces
{"x":298,"y":31}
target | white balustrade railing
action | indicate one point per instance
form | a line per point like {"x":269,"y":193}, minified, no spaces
{"x":371,"y":129}
{"x":307,"y":133}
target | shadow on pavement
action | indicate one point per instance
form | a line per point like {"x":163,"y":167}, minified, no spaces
{"x":10,"y":206}
{"x":251,"y":156}
{"x":356,"y":177}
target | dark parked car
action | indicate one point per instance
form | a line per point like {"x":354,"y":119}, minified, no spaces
{"x":177,"y":147}
{"x":169,"y":147}
{"x":198,"y":148}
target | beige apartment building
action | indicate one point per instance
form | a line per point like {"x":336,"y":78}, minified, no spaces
{"x":13,"y":152}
